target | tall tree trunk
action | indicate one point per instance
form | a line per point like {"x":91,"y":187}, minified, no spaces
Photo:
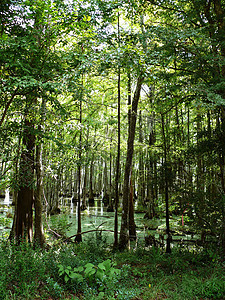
{"x":222,"y":176}
{"x":84,"y":191}
{"x":124,"y":237}
{"x":25,"y":198}
{"x":91,"y":193}
{"x":117,"y":168}
{"x":110,"y":207}
{"x":220,"y":12}
{"x":105,"y":184}
{"x":79,"y":236}
{"x":39,"y":238}
{"x":166,"y":179}
{"x":151,"y":173}
{"x":141,"y":173}
{"x":117,"y":177}
{"x":132,"y":226}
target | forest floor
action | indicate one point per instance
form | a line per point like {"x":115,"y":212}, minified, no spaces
{"x":93,"y":270}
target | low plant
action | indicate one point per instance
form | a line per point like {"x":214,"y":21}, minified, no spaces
{"x":53,"y":288}
{"x":60,"y":224}
{"x":141,"y":273}
{"x":5,"y":221}
{"x":99,"y":274}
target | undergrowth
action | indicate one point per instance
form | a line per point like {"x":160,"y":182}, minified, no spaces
{"x":90,"y":270}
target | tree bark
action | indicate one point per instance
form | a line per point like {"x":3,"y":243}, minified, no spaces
{"x":39,"y":238}
{"x":117,"y":167}
{"x":166,"y":172}
{"x":91,"y":193}
{"x":141,"y":172}
{"x":124,"y":237}
{"x":79,"y":236}
{"x":132,"y":225}
{"x":25,"y":198}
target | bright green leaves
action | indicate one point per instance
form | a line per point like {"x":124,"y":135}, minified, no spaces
{"x":89,"y":270}
{"x":75,"y":274}
{"x":103,"y":273}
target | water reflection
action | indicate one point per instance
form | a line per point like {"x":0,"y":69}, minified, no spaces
{"x":93,"y":218}
{"x":96,"y":217}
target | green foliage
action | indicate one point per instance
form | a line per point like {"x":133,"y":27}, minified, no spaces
{"x":23,"y":266}
{"x":69,"y":271}
{"x":5,"y":221}
{"x":53,"y":288}
{"x":100,"y":275}
{"x":60,"y":224}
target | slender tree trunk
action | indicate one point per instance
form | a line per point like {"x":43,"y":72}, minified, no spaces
{"x":222,"y":176}
{"x":117,"y":177}
{"x":105,"y":184}
{"x":166,"y":172}
{"x":79,"y":236}
{"x":84,"y":191}
{"x":117,"y":167}
{"x":91,"y":193}
{"x":132,"y":226}
{"x":110,"y":207}
{"x":141,"y":173}
{"x":39,"y":238}
{"x":124,"y":237}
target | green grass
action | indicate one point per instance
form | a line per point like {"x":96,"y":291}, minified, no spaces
{"x":145,"y":273}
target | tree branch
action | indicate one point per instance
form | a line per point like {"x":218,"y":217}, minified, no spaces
{"x":7,"y":106}
{"x":93,"y":230}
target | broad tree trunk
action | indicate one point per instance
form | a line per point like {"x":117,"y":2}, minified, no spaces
{"x":25,"y":198}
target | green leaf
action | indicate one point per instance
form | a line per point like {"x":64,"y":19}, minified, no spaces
{"x":61,"y":268}
{"x":101,"y":266}
{"x":68,"y":270}
{"x":90,"y":272}
{"x":89,"y":265}
{"x":99,"y":274}
{"x":101,"y":295}
{"x":78,"y":269}
{"x":107,"y":264}
{"x":77,"y":276}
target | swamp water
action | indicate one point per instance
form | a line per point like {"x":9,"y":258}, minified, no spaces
{"x":93,"y":218}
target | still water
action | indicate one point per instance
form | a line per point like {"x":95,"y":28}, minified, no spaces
{"x":93,"y":218}
{"x":96,"y":217}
